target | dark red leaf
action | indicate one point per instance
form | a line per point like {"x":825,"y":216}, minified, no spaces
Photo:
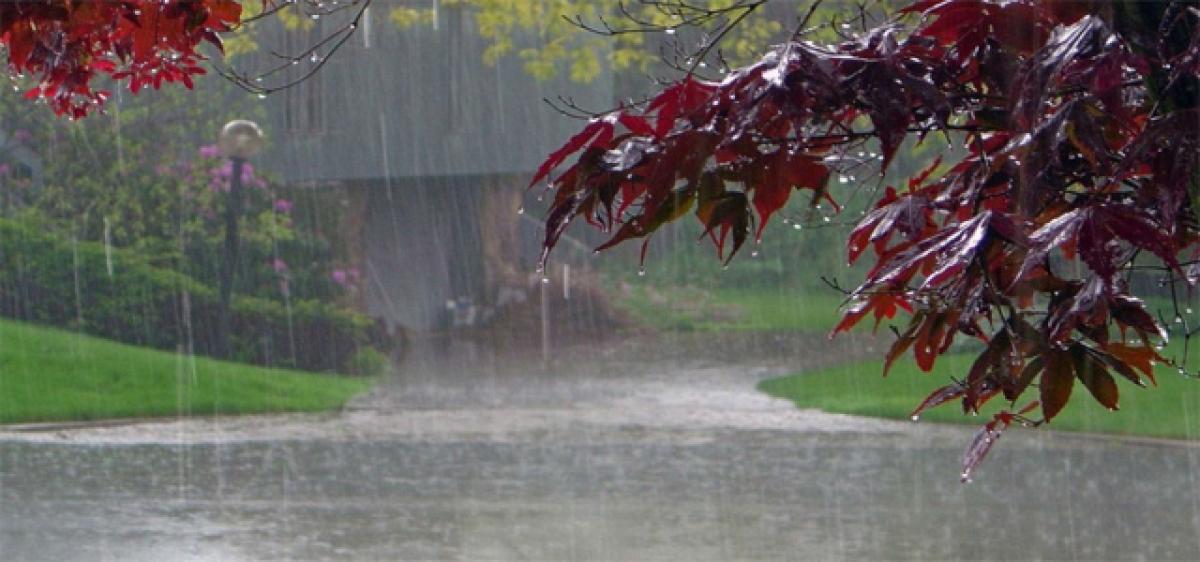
{"x":1141,"y":357}
{"x":939,"y":397}
{"x":597,"y":132}
{"x":980,"y":444}
{"x":1095,"y":377}
{"x":1056,"y":382}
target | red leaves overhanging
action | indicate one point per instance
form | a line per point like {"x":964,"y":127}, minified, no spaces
{"x":65,"y":46}
{"x":1082,"y":144}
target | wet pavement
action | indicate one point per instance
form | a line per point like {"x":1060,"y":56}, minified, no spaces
{"x":651,"y":451}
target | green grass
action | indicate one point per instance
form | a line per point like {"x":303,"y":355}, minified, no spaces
{"x":53,"y":375}
{"x":695,"y":309}
{"x":1172,"y":409}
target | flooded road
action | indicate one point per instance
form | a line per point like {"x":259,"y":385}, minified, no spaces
{"x":618,"y":457}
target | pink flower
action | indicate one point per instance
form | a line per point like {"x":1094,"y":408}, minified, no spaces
{"x":247,"y":175}
{"x":346,"y":278}
{"x":22,"y":135}
{"x":283,"y":206}
{"x":4,"y":169}
{"x":224,"y":170}
{"x":210,"y":151}
{"x":279,"y":266}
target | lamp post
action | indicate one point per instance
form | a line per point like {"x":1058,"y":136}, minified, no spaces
{"x":238,"y":141}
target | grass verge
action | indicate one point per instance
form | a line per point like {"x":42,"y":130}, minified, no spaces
{"x":744,"y":310}
{"x":53,"y":375}
{"x":1172,"y":409}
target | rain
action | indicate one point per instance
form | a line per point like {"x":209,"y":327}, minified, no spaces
{"x":373,"y":366}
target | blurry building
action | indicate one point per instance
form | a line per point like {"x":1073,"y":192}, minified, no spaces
{"x":432,"y":148}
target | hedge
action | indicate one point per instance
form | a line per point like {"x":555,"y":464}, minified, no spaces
{"x":120,"y":296}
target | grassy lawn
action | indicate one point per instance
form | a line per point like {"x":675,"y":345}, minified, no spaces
{"x":766,"y":309}
{"x":1172,"y":409}
{"x":52,"y":375}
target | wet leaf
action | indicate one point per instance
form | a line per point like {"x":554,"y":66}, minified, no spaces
{"x":938,"y":397}
{"x":597,"y":133}
{"x":1056,"y":382}
{"x":1095,"y":377}
{"x":980,"y":444}
{"x":1140,"y":357}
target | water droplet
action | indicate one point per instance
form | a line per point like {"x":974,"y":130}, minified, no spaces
{"x":916,"y":417}
{"x":669,"y":31}
{"x":1187,"y":311}
{"x":545,"y":280}
{"x":521,"y":211}
{"x":315,"y":58}
{"x":754,"y":254}
{"x":262,"y":95}
{"x":826,"y":219}
{"x":641,"y":272}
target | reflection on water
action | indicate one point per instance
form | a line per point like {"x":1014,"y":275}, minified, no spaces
{"x":686,"y":464}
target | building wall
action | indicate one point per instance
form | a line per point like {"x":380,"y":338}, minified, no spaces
{"x":439,"y":253}
{"x":417,"y":102}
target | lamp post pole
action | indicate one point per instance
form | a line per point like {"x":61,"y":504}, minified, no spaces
{"x":229,"y":259}
{"x":239,"y":141}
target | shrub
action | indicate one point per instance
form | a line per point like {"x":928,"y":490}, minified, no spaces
{"x":118,"y":295}
{"x":366,"y":361}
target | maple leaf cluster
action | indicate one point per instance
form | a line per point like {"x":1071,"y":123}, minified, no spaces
{"x":1080,"y":132}
{"x":65,"y":45}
